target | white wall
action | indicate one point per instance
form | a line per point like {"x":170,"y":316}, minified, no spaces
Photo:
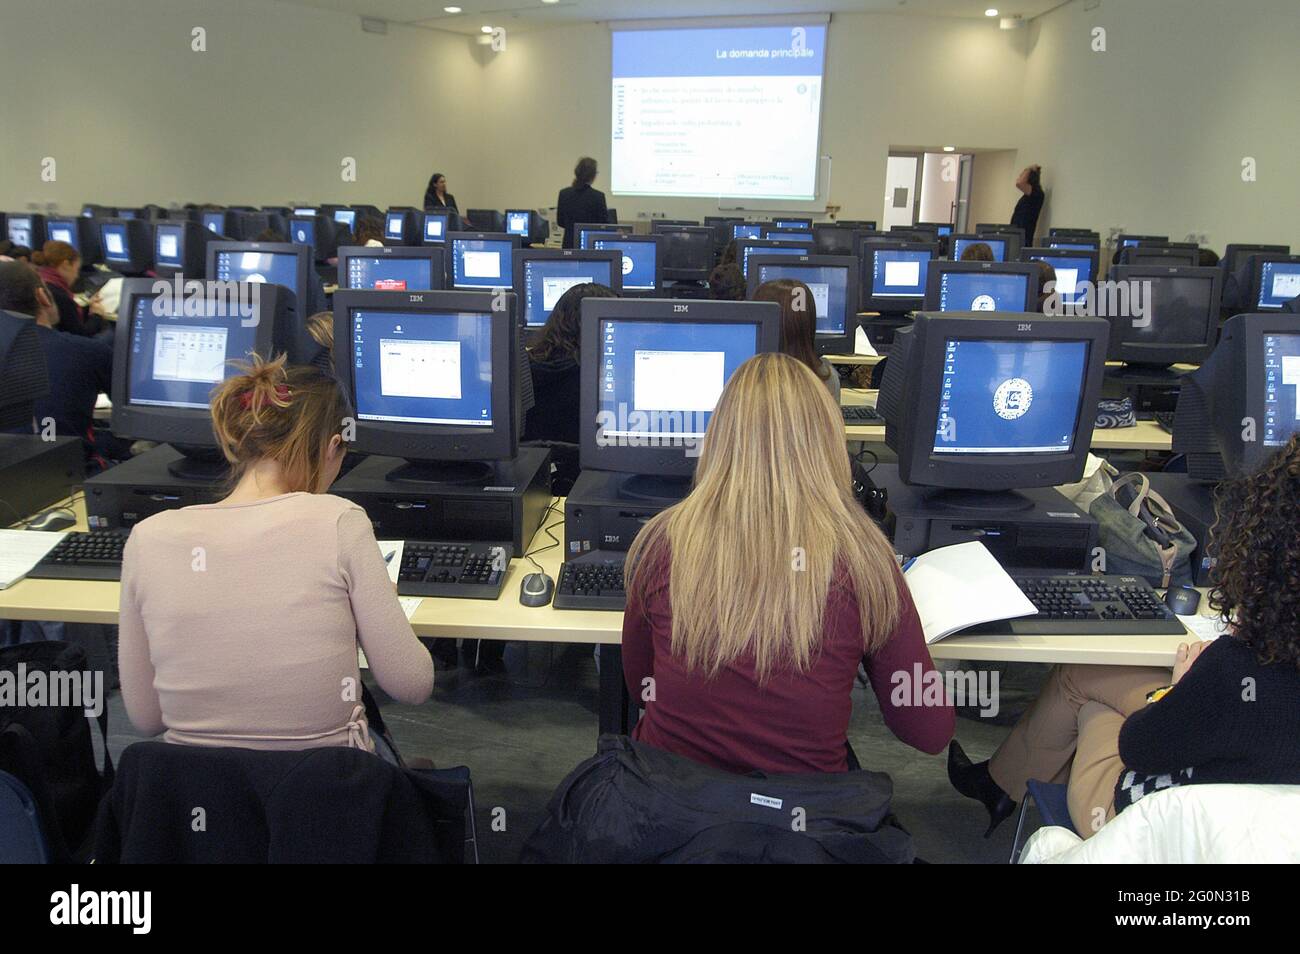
{"x":114,"y":93}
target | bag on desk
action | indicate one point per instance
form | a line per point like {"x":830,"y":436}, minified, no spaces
{"x":1140,"y":535}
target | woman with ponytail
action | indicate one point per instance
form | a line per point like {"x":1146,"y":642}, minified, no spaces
{"x":240,"y":620}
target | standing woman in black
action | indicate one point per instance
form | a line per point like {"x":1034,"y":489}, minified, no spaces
{"x":580,"y":203}
{"x":437,"y":198}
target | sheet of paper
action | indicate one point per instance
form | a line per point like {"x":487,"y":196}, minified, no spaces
{"x":391,"y":550}
{"x":1204,"y":628}
{"x":20,"y":550}
{"x":861,"y":343}
{"x":962,"y":585}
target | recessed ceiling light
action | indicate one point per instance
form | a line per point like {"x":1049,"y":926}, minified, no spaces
{"x":486,"y":29}
{"x":550,"y":1}
{"x":451,"y":9}
{"x":949,"y":148}
{"x":990,"y":12}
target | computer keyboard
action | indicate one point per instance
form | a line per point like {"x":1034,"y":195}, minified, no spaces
{"x":1088,"y":605}
{"x":860,"y":414}
{"x":590,"y":586}
{"x":84,"y":555}
{"x":475,"y":571}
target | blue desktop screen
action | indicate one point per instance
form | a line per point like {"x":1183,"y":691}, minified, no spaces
{"x":169,"y":247}
{"x":345,"y":217}
{"x":982,"y":291}
{"x":752,"y":250}
{"x":794,"y":225}
{"x":945,"y":230}
{"x":62,"y":230}
{"x":1281,"y":387}
{"x":587,"y":237}
{"x":1010,"y":397}
{"x":274,"y":268}
{"x":423,"y":368}
{"x":640,"y":269}
{"x":829,"y":285}
{"x":665,"y":377}
{"x":899,"y":273}
{"x":1073,"y":246}
{"x":1073,"y":275}
{"x":997,"y":246}
{"x":178,"y":357}
{"x":517,"y":223}
{"x":1279,"y":282}
{"x":302,"y":231}
{"x":790,"y":235}
{"x":113,"y":237}
{"x":480,"y":263}
{"x":744,"y":230}
{"x":384,"y":273}
{"x":435,"y":227}
{"x":546,"y":281}
{"x":395,"y":225}
{"x":214,"y":221}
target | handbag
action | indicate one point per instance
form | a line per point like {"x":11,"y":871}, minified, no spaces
{"x":1139,"y":534}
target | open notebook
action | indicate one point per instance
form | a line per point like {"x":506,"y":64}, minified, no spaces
{"x":962,"y":585}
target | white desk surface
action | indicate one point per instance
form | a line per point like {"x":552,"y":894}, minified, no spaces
{"x":84,"y":601}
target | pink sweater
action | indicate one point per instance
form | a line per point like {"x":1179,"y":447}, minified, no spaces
{"x":240,"y":624}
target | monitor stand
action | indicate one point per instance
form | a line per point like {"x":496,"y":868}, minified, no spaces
{"x":653,"y":489}
{"x":989,"y":502}
{"x":200,"y":464}
{"x":451,"y":472}
{"x":1152,"y":388}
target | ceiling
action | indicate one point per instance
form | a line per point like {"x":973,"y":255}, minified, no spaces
{"x":524,"y":15}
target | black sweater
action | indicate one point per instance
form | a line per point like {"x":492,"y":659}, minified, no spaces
{"x":1026,"y":213}
{"x":579,"y":205}
{"x":1229,"y":719}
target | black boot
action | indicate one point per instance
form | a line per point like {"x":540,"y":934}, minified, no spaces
{"x":974,"y":781}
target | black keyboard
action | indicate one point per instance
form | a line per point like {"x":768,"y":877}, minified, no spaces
{"x":84,"y":555}
{"x":590,"y":586}
{"x":1085,"y":605}
{"x":475,"y":571}
{"x":860,"y":414}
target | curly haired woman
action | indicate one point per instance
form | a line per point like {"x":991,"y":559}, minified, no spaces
{"x":1230,"y":713}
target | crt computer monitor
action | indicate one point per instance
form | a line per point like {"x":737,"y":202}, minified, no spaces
{"x":275,"y":263}
{"x":979,"y":405}
{"x":687,"y":252}
{"x":317,"y":232}
{"x":747,"y":230}
{"x":173,"y":349}
{"x":1076,"y":272}
{"x":347,"y":217}
{"x":587,"y":229}
{"x":748,"y":248}
{"x":543,"y":275}
{"x":982,"y":228}
{"x":437,"y":225}
{"x":653,"y":375}
{"x":642,"y":261}
{"x":127,"y":245}
{"x":835,"y":239}
{"x":26,"y":229}
{"x":960,"y":243}
{"x":1236,"y":254}
{"x":527,"y":224}
{"x":982,"y":287}
{"x":833,"y":281}
{"x":1274,"y":281}
{"x":180,"y":246}
{"x":785,"y":222}
{"x":480,"y":260}
{"x":1125,"y":240}
{"x":392,"y":268}
{"x":1150,"y":253}
{"x":940,"y":229}
{"x":1241,"y":406}
{"x":790,"y":235}
{"x":1169,"y":314}
{"x":402,"y":226}
{"x":79,"y":232}
{"x":894,"y":275}
{"x":1062,"y":230}
{"x":1073,"y":243}
{"x":431,"y":379}
{"x":721,"y":225}
{"x":216,"y":222}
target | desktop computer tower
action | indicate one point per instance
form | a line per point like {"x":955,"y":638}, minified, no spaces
{"x":138,"y":488}
{"x":597,"y":520}
{"x":508,"y":506}
{"x":36,"y":473}
{"x":1050,"y":535}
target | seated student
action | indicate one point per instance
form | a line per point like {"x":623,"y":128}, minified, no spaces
{"x":977,"y":252}
{"x":9,"y":252}
{"x":369,"y":233}
{"x":1046,"y":275}
{"x":727,"y":283}
{"x":80,"y":368}
{"x":799,"y":328}
{"x":1117,"y":733}
{"x":59,"y":265}
{"x":729,"y":254}
{"x":1207,"y":257}
{"x":321,"y":328}
{"x":554,"y":362}
{"x":751,"y":603}
{"x":240,"y":620}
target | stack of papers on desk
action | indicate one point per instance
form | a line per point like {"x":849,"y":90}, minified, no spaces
{"x":21,"y":550}
{"x":962,"y":585}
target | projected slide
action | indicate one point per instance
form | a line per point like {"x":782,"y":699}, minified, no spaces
{"x":730,"y":111}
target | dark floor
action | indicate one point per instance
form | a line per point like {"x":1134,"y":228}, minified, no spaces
{"x":522,"y":731}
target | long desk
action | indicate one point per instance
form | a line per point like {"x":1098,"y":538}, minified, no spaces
{"x":80,"y":601}
{"x":1144,"y":436}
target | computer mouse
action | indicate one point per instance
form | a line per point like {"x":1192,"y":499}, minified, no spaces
{"x":536,"y":589}
{"x":1183,"y":600}
{"x":52,"y":520}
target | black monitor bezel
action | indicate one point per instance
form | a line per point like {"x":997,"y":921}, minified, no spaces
{"x":182,"y":425}
{"x":686,"y":274}
{"x":302,"y":268}
{"x":139,"y":241}
{"x":665,"y":461}
{"x":194,"y":243}
{"x":1166,"y":354}
{"x":934,"y":279}
{"x":1247,"y":250}
{"x":912,"y":438}
{"x":658,"y":243}
{"x":1256,"y":278}
{"x":453,"y":237}
{"x":843,"y":342}
{"x":743,"y":244}
{"x":890,"y":304}
{"x":438,"y":442}
{"x":451,"y":224}
{"x":434,"y":253}
{"x":580,"y":227}
{"x":524,"y":255}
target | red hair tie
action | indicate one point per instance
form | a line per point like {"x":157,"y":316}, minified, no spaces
{"x":281,"y":391}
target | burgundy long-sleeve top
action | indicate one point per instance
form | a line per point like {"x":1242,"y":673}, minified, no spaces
{"x":796,"y":722}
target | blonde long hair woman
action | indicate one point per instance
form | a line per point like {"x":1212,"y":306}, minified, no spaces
{"x":752,"y":602}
